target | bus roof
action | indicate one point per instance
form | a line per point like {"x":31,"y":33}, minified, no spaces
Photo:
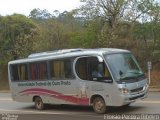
{"x":64,"y":53}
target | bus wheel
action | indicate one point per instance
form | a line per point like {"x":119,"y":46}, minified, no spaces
{"x":39,"y":103}
{"x":99,"y":105}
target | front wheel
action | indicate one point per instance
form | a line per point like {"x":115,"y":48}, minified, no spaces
{"x":39,"y":105}
{"x":99,"y":105}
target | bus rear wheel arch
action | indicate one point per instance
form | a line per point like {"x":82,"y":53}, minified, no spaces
{"x":39,"y":105}
{"x":98,"y":104}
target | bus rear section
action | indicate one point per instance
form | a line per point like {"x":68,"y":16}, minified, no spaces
{"x":92,"y":77}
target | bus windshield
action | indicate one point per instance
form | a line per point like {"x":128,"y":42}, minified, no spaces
{"x":123,"y":66}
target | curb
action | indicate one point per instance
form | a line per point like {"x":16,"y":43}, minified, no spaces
{"x":154,"y":90}
{"x":4,"y":91}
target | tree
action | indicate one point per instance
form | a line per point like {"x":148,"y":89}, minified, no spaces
{"x":56,"y":32}
{"x":53,"y":35}
{"x":110,"y":13}
{"x":87,"y":36}
{"x":38,"y":14}
{"x":17,"y":35}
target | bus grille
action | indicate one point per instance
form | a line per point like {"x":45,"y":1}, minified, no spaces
{"x":133,"y":98}
{"x":137,"y":90}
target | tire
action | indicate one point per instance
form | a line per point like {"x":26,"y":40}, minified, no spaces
{"x":99,"y":105}
{"x":39,"y":105}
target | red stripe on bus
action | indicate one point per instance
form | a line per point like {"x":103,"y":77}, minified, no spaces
{"x":40,"y":91}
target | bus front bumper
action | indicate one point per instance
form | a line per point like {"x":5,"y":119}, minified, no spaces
{"x":130,"y":97}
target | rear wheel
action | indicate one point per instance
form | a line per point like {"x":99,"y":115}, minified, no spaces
{"x":99,"y":105}
{"x":39,"y":105}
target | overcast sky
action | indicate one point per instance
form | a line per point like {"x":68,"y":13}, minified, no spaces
{"x":8,"y":7}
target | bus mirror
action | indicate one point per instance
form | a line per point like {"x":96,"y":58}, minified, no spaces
{"x":100,"y":59}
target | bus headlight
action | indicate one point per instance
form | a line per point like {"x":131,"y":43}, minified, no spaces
{"x":124,"y":90}
{"x":146,"y":87}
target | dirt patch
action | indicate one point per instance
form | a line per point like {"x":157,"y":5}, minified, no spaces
{"x":155,"y":74}
{"x":155,"y":78}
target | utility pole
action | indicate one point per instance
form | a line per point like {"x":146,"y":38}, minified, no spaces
{"x":149,"y":65}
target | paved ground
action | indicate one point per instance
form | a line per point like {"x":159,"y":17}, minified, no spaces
{"x":25,"y":111}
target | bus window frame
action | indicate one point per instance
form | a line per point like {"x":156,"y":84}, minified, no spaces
{"x":97,"y":56}
{"x":11,"y":72}
{"x":37,"y":62}
{"x":71,"y":59}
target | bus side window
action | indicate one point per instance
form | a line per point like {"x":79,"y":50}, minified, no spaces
{"x":33,"y":71}
{"x":81,"y":68}
{"x":89,"y":68}
{"x":19,"y":72}
{"x":23,"y":72}
{"x":14,"y":73}
{"x":56,"y":69}
{"x":42,"y":70}
{"x":68,"y":69}
{"x":106,"y":73}
{"x":61,"y":69}
{"x":38,"y":71}
{"x":102,"y":71}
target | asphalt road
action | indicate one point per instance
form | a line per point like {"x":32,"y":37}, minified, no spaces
{"x":148,"y":109}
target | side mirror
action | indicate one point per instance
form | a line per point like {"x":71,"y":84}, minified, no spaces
{"x":100,"y":59}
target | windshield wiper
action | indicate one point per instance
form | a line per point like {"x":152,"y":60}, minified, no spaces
{"x":128,"y":78}
{"x":135,"y":72}
{"x":138,"y":74}
{"x":139,"y":77}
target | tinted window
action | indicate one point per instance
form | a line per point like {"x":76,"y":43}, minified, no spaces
{"x":61,"y":69}
{"x":81,"y":68}
{"x":89,"y":68}
{"x":19,"y":72}
{"x":38,"y":71}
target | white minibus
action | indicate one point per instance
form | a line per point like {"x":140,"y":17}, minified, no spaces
{"x":94,"y":77}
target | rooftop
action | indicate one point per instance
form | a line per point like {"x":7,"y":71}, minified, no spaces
{"x":67,"y":53}
{"x":78,"y":50}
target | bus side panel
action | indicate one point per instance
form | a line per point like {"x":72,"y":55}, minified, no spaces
{"x":91,"y":89}
{"x":54,"y":92}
